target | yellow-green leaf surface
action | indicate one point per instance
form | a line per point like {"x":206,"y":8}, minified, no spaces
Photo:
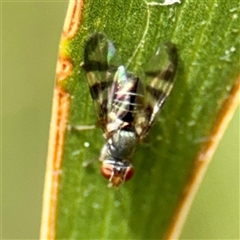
{"x":206,"y":34}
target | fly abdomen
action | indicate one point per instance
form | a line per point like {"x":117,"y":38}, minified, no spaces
{"x":127,"y":100}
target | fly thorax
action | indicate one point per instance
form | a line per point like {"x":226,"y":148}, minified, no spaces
{"x":122,"y":144}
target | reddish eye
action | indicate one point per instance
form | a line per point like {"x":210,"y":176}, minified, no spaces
{"x":106,"y":170}
{"x":116,"y":176}
{"x":129,"y":173}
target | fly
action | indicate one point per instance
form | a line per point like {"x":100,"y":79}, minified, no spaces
{"x":126,"y":105}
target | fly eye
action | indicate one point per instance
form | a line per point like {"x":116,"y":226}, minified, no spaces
{"x":107,"y":170}
{"x":129,"y":173}
{"x":116,"y":175}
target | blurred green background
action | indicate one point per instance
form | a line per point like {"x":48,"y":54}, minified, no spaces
{"x":30,"y":37}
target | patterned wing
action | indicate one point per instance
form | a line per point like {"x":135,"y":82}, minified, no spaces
{"x":99,"y":55}
{"x":159,"y":73}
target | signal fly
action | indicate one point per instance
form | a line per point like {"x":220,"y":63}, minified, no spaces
{"x":127,"y":104}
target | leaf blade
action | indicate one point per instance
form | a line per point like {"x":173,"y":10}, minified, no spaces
{"x":144,"y":205}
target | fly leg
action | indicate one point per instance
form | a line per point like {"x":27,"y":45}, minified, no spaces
{"x":80,"y":127}
{"x":102,"y":157}
{"x":104,"y":153}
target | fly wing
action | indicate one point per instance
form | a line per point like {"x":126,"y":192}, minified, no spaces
{"x":159,"y":77}
{"x":99,"y":56}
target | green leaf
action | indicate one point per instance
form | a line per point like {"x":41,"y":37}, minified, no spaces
{"x":206,"y":34}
